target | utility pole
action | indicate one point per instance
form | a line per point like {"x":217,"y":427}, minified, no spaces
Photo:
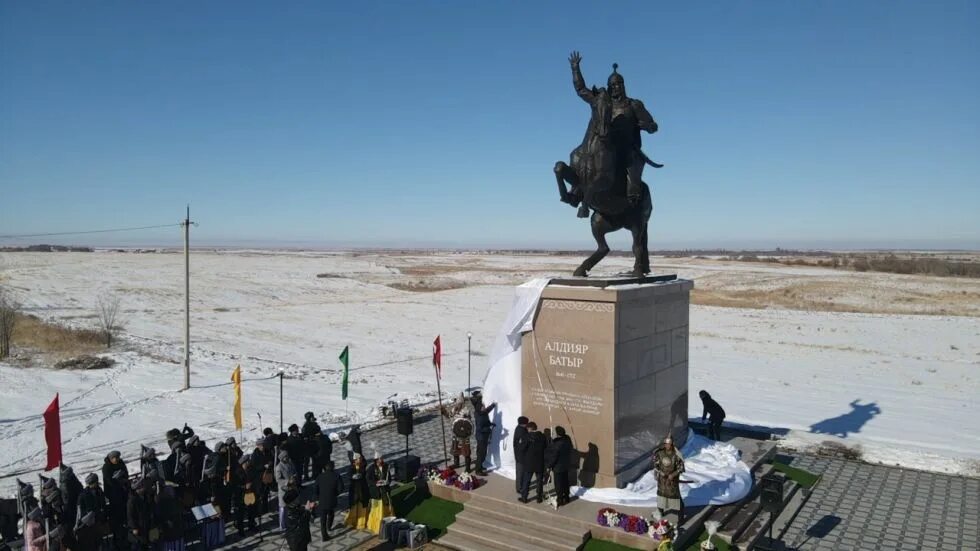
{"x":469,"y":362}
{"x":187,"y":299}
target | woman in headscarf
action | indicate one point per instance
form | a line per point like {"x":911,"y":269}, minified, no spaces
{"x":379,"y":480}
{"x":359,"y":494}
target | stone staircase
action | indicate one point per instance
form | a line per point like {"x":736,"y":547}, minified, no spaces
{"x":488,"y":524}
{"x":501,"y":524}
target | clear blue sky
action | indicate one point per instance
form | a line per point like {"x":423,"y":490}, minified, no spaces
{"x":817,"y":124}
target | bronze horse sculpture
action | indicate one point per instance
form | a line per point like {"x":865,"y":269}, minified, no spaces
{"x":605,"y":171}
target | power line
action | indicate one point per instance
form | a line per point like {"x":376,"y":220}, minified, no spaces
{"x":22,"y":235}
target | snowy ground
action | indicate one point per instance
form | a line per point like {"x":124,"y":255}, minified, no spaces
{"x":902,"y":386}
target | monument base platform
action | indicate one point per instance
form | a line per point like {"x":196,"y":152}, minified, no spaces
{"x":493,"y":519}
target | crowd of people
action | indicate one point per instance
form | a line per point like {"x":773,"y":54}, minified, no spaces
{"x":152,"y":505}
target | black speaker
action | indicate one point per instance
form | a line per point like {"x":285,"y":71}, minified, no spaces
{"x":771,"y":492}
{"x":405,"y":423}
{"x":407,"y":468}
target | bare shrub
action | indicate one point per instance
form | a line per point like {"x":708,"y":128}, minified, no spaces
{"x":8,"y":320}
{"x":107,"y":314}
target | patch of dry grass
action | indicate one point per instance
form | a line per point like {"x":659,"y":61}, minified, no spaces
{"x":57,"y":340}
{"x":428,"y":286}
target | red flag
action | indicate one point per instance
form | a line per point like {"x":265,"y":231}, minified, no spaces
{"x":437,"y":357}
{"x":52,"y":433}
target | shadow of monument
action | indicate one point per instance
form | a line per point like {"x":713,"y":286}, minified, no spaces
{"x":848,"y":423}
{"x":678,"y":411}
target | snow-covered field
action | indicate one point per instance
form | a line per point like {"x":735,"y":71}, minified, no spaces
{"x":902,"y":386}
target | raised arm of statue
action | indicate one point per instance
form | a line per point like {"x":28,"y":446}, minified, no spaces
{"x":643,"y":118}
{"x":578,"y":81}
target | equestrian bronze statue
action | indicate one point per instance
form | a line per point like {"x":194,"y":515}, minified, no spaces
{"x":605,"y":172}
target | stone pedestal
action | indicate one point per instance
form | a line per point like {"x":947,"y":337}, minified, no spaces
{"x":610,"y":365}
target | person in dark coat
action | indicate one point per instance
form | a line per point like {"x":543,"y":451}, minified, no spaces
{"x":197,"y":451}
{"x":329,"y":486}
{"x":714,"y":413}
{"x":297,"y":449}
{"x":353,"y":438}
{"x":117,"y":494}
{"x":139,"y":516}
{"x":260,"y":475}
{"x":324,"y":449}
{"x":520,"y":433}
{"x":71,"y":489}
{"x":560,"y":462}
{"x":92,"y":500}
{"x":113,"y":464}
{"x":310,"y":433}
{"x":169,"y":520}
{"x":297,"y":534}
{"x":533,"y":462}
{"x":244,"y":483}
{"x":483,"y":429}
{"x":87,"y":536}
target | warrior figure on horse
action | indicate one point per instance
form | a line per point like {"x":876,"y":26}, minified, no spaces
{"x":605,"y":172}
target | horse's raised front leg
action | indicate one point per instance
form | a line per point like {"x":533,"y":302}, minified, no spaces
{"x":563,"y":174}
{"x":600,"y":227}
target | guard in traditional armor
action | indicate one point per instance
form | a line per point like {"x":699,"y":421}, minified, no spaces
{"x":668,"y":464}
{"x":462,"y":428}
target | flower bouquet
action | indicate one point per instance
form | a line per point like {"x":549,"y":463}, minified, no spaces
{"x":628,"y":523}
{"x":449,"y":477}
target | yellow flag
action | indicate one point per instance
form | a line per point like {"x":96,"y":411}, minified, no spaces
{"x":236,"y":377}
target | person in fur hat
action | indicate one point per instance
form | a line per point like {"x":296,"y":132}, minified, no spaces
{"x":71,"y":490}
{"x":92,"y":500}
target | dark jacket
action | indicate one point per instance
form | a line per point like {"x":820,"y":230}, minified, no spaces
{"x":358,"y":487}
{"x":354,"y":437}
{"x":108,"y":470}
{"x":170,"y":517}
{"x":533,"y":457}
{"x":482,"y":421}
{"x":520,"y":435}
{"x":375,"y":475}
{"x":324,"y":449}
{"x":560,"y":454}
{"x":87,"y":538}
{"x":139,"y":517}
{"x":712,"y":408}
{"x":71,"y":490}
{"x":92,"y":500}
{"x":296,"y":447}
{"x":297,"y":527}
{"x":329,"y":485}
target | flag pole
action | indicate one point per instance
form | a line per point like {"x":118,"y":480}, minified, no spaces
{"x":437,"y":365}
{"x":47,"y":533}
{"x":442,"y":421}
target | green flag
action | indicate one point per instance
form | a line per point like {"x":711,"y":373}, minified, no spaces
{"x":344,"y":356}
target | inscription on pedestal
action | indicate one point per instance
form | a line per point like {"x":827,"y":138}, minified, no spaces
{"x":569,"y":401}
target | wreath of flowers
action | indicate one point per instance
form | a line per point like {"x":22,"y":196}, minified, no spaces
{"x":628,"y":523}
{"x":448,"y":477}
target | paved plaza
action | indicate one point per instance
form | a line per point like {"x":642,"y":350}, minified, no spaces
{"x":855,"y":507}
{"x":872,"y":507}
